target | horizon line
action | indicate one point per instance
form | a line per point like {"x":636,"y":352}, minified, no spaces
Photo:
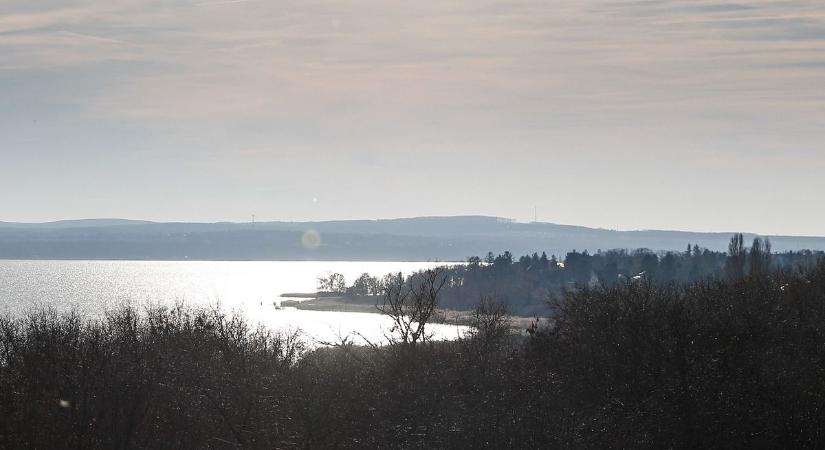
{"x":460,"y":216}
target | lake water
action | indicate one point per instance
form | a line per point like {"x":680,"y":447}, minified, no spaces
{"x":246,"y":287}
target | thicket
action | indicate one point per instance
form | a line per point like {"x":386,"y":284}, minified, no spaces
{"x":712,"y":364}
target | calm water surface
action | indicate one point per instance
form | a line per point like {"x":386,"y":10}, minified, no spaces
{"x":245,"y":287}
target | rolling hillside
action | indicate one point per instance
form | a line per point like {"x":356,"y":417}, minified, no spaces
{"x":423,"y":238}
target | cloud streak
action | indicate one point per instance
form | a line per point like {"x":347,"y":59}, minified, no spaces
{"x":219,"y":3}
{"x":611,"y":60}
{"x":650,"y":83}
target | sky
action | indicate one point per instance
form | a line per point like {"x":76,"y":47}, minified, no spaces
{"x":647,"y":114}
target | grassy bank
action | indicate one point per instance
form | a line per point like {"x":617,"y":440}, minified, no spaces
{"x":334,"y":303}
{"x":370,"y":304}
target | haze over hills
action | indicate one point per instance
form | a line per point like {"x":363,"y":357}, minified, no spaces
{"x":421,"y":238}
{"x":80,"y":223}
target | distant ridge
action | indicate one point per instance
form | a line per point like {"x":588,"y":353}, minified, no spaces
{"x":77,"y":223}
{"x":415,"y":238}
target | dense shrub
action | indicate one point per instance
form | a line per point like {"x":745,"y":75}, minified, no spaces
{"x":715,"y":364}
{"x":167,"y":378}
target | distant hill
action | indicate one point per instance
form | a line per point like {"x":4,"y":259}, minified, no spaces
{"x":421,"y":238}
{"x":81,"y":223}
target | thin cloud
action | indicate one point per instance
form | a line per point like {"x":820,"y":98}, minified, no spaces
{"x":93,"y":37}
{"x":227,"y":2}
{"x":20,"y":22}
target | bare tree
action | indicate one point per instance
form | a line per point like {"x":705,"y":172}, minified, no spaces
{"x":760,"y":256}
{"x":410,"y":303}
{"x":490,"y":321}
{"x":737,"y":255}
{"x":338,"y":283}
{"x":335,"y":282}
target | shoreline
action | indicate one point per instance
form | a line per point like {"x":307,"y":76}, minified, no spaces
{"x":339,"y":303}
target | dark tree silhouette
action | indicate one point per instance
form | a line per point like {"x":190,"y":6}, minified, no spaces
{"x":760,"y":256}
{"x":735,"y":264}
{"x":410,"y":303}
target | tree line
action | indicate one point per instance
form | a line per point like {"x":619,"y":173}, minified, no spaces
{"x":526,"y":283}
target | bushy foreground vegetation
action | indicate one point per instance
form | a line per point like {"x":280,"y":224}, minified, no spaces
{"x":719,"y":364}
{"x":164,"y":379}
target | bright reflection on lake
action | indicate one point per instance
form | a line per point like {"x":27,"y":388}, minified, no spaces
{"x":247,"y":287}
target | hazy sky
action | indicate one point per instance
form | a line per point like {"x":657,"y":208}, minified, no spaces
{"x":690,"y":114}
